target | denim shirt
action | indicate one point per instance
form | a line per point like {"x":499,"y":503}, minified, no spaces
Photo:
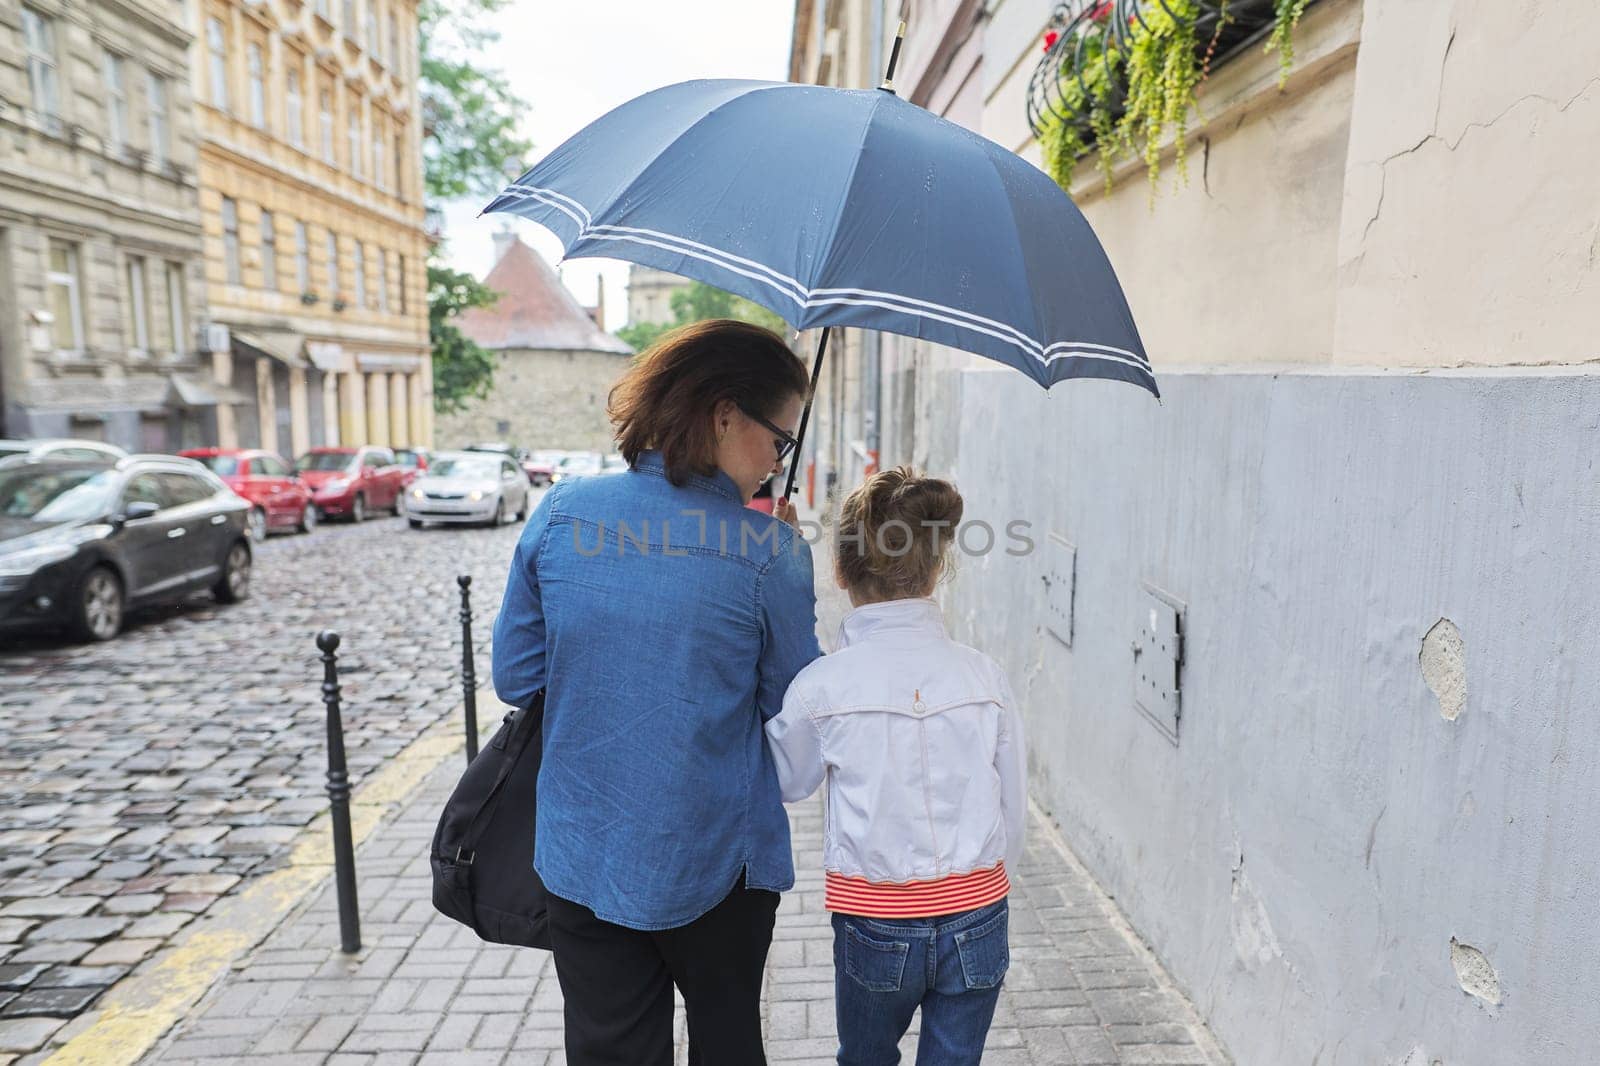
{"x":664,"y":623}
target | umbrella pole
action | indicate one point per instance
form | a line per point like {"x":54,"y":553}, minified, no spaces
{"x":805,"y":416}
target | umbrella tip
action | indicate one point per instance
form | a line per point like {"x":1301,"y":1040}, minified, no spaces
{"x":894,"y":58}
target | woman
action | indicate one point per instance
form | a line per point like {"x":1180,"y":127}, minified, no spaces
{"x":664,"y":620}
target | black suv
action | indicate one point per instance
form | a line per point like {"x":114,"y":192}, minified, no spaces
{"x":82,"y":542}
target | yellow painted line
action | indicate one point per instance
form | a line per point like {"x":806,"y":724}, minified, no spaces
{"x":139,"y":1009}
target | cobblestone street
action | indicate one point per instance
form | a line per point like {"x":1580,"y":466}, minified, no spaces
{"x":143,"y":779}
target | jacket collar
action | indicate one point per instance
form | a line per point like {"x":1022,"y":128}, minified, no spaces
{"x":916,"y":617}
{"x":652,"y":462}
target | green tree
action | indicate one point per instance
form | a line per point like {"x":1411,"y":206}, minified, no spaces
{"x":462,"y":370}
{"x":697,"y":303}
{"x":470,"y":148}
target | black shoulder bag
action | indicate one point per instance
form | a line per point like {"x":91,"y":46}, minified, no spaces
{"x":482,"y":853}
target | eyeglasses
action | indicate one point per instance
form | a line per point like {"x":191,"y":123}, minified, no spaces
{"x":785,"y":443}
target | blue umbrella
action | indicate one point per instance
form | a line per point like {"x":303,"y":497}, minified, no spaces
{"x":841,"y":207}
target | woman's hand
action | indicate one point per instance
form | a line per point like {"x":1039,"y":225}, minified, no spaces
{"x":784,"y":511}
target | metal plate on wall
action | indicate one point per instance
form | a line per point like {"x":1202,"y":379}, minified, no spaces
{"x":1060,"y":582}
{"x":1158,"y":660}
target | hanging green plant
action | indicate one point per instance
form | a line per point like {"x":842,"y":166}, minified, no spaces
{"x":1285,"y":17}
{"x":1163,"y":70}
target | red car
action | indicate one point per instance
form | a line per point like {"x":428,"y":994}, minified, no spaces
{"x":278,"y":498}
{"x":352,"y":482}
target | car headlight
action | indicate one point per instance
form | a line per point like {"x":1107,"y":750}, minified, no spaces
{"x":475,"y":495}
{"x":23,"y":563}
{"x":416,"y":494}
{"x":337,"y":484}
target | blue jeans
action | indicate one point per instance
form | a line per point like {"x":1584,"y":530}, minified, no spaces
{"x":885,"y":968}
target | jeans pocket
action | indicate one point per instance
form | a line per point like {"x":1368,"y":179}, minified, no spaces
{"x":876,"y":965}
{"x":985,"y":951}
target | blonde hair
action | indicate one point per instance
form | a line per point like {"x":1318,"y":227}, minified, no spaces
{"x":895,"y":533}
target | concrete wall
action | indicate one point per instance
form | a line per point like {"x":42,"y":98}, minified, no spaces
{"x":1327,"y":826}
{"x":546,"y":399}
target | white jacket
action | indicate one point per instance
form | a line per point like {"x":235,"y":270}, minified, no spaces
{"x":920,"y":742}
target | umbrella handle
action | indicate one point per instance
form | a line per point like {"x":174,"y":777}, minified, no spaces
{"x":805,"y":415}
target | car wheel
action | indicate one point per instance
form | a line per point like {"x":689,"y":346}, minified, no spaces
{"x":358,"y":509}
{"x":234,"y":584}
{"x":416,"y":523}
{"x":257,"y":524}
{"x":499,"y":518}
{"x":522,"y":512}
{"x":308,"y":518}
{"x":98,"y":610}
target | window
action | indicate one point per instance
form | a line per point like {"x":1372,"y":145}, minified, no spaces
{"x":394,"y":42}
{"x":333,"y":265}
{"x":155,"y":87}
{"x":379,"y":176}
{"x":138,"y":297}
{"x":258,"y":87}
{"x":293,"y":110}
{"x":230,"y":240}
{"x":175,"y":313}
{"x":65,"y":303}
{"x":349,"y":26}
{"x":322,"y":9}
{"x":353,"y":136}
{"x":361,"y":274}
{"x":217,"y":63}
{"x":184,"y":489}
{"x":399,"y":162}
{"x":39,"y":36}
{"x":302,"y":258}
{"x":325,"y":107}
{"x":383,"y":280}
{"x":272,"y":466}
{"x":269,"y":252}
{"x":402,"y":271}
{"x":369,"y":32}
{"x":116,"y":103}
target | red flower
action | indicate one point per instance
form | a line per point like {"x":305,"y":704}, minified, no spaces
{"x":1050,"y":39}
{"x":1101,"y":11}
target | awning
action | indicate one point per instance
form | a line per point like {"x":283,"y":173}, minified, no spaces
{"x":185,"y":391}
{"x":286,"y":347}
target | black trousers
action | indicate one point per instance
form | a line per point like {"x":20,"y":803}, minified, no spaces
{"x":616,"y":983}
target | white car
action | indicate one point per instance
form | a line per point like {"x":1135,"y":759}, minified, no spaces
{"x":474,"y":488}
{"x":93,"y":451}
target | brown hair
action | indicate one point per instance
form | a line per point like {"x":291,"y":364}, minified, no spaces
{"x":894,"y":533}
{"x":667,"y":397}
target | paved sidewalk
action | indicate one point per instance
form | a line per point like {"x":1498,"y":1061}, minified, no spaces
{"x":426,"y":991}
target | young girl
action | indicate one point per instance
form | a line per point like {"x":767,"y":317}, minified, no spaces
{"x":920,"y":743}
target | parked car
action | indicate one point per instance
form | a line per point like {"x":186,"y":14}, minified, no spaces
{"x":279,"y":499}
{"x":92,"y":451}
{"x":82,"y":542}
{"x":479,"y":488}
{"x":574,"y":464}
{"x":540,"y":466}
{"x":415,"y":462}
{"x":352,"y":482}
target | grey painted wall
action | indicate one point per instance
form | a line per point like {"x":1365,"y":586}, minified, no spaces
{"x":1304,"y":856}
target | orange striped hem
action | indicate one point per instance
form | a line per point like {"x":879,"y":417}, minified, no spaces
{"x":915,"y":899}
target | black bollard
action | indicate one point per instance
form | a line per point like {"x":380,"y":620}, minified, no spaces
{"x":344,"y":852}
{"x":469,"y":679}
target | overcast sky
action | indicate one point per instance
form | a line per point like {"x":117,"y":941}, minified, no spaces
{"x":574,"y":60}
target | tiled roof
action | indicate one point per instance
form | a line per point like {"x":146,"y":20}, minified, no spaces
{"x":535,"y":310}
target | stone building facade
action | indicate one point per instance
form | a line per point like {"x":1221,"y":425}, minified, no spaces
{"x":1354,"y":545}
{"x":312,"y":207}
{"x":554,"y":369}
{"x":650,"y":294}
{"x":102,"y":293}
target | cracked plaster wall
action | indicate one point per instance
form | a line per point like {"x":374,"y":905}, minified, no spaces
{"x":1471,"y":224}
{"x":1335,"y":871}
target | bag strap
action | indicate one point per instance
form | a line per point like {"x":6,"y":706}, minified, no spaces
{"x":467,"y":850}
